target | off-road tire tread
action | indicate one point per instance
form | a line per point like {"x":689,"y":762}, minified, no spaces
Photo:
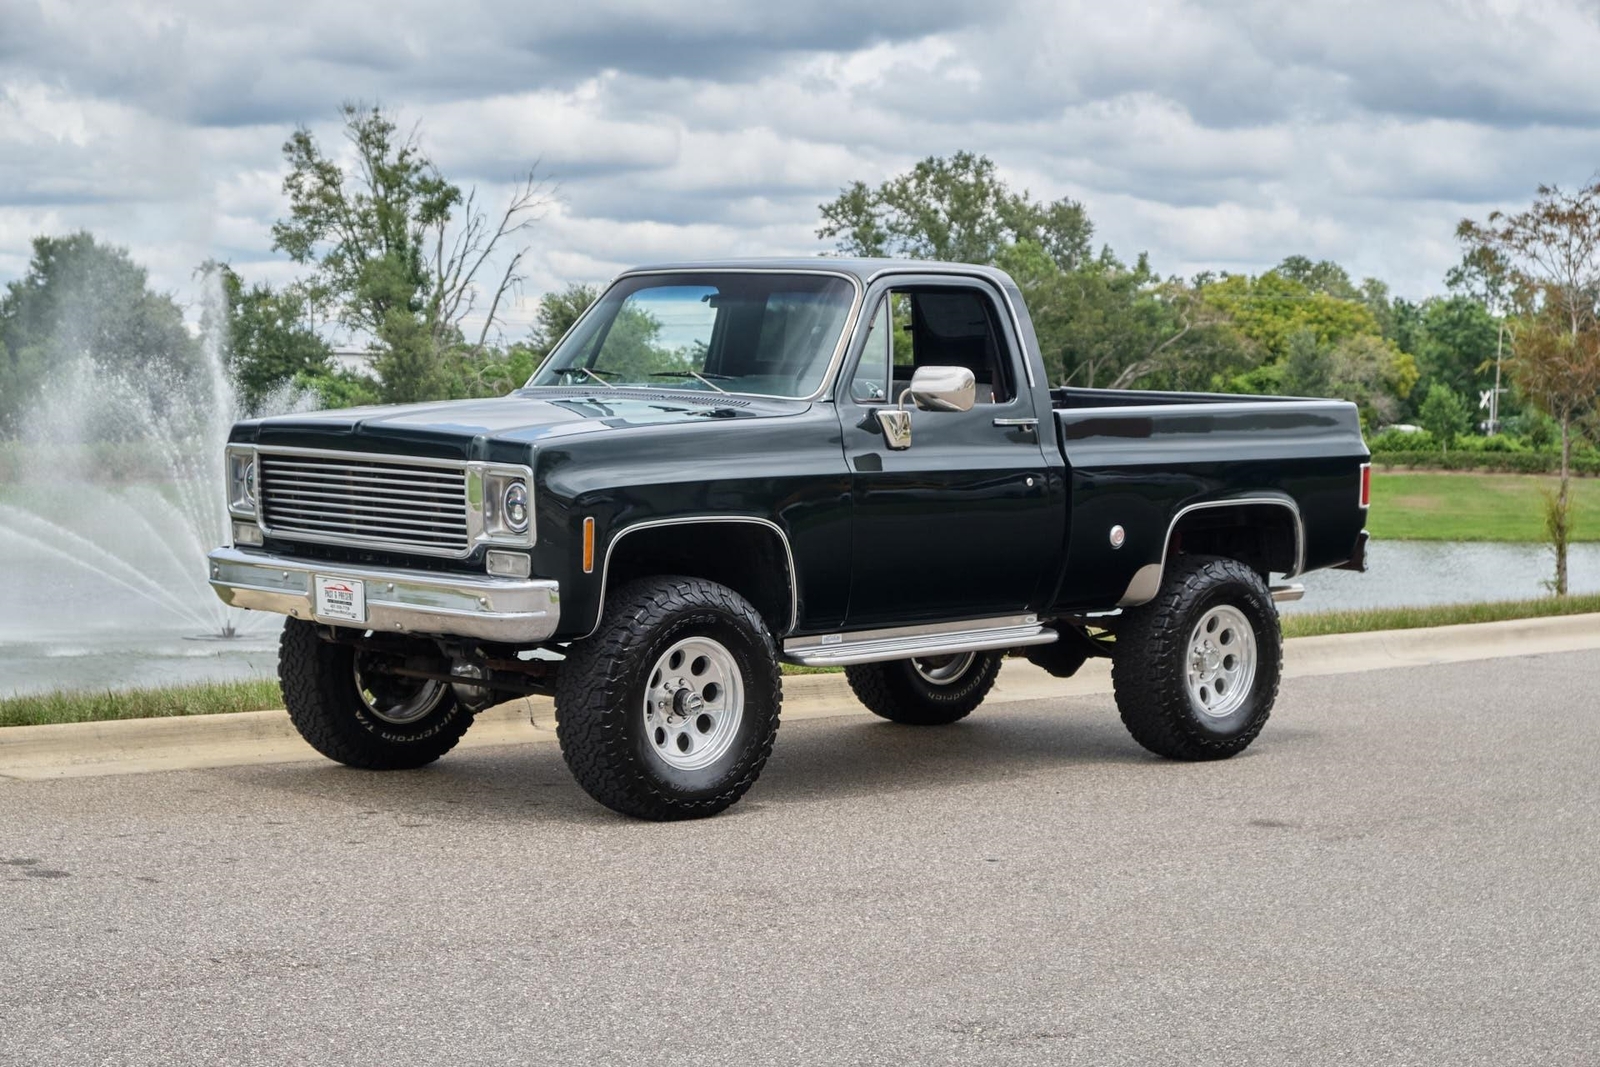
{"x":1147,"y":666}
{"x":592,"y":704}
{"x":891,"y":691}
{"x":319,"y":693}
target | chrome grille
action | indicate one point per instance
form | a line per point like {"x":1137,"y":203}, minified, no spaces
{"x":381,"y":502}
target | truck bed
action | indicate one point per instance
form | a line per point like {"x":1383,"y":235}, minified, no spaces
{"x":1138,"y":459}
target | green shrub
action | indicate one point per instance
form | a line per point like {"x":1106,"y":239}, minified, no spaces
{"x":1500,"y":462}
{"x":1392,"y":440}
{"x":1503,"y":443}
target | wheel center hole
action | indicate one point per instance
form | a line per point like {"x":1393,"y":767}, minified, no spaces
{"x":686,"y":703}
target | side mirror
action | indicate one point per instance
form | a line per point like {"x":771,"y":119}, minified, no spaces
{"x":942,"y":389}
{"x":931,"y":389}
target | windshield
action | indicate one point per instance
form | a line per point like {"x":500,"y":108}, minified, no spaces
{"x":770,"y":334}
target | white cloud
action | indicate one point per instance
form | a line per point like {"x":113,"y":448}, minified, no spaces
{"x":1212,"y":135}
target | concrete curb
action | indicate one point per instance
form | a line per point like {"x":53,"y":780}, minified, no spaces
{"x":138,"y":745}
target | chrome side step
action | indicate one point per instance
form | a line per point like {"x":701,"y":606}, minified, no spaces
{"x":1292,"y":591}
{"x":905,"y":642}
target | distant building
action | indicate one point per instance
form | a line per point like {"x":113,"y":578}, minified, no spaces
{"x":354,"y":360}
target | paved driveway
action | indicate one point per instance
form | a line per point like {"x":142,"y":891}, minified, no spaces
{"x":1404,"y":869}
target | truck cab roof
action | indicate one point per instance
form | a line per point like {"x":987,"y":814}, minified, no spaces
{"x":862,"y":269}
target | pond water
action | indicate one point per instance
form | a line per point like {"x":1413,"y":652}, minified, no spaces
{"x":65,"y":627}
{"x":1415,"y":573}
{"x":61,"y":627}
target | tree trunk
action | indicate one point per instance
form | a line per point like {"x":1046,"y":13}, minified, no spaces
{"x":1560,"y":524}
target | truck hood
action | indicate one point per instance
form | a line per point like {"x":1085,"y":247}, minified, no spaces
{"x":449,"y":429}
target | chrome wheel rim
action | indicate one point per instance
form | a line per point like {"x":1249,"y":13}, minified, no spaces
{"x":943,"y":670}
{"x":693,"y":704}
{"x":398,"y":701}
{"x":1221,"y":667}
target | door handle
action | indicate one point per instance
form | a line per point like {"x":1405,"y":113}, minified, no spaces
{"x":1030,"y":424}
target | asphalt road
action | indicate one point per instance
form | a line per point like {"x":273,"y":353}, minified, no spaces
{"x":1403,"y":870}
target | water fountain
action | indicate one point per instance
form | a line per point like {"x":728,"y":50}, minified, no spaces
{"x":103,"y":538}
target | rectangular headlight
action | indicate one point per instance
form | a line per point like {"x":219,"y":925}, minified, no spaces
{"x":507,"y":504}
{"x":242,"y":480}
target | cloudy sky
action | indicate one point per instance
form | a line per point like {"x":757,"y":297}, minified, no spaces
{"x":1221,"y":135}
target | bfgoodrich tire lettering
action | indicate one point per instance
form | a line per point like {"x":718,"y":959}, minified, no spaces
{"x":926,"y":692}
{"x":1162,"y":704}
{"x":625,"y":753}
{"x":320,"y":691}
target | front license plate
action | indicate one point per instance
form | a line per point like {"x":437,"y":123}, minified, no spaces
{"x":341,"y":598}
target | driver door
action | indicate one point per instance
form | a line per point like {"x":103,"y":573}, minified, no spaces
{"x":961,"y":524}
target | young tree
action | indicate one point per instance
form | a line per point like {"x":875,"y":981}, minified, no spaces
{"x":1445,"y":414}
{"x":404,"y":255}
{"x":1551,"y":256}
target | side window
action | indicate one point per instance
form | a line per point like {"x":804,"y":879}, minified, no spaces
{"x":871,"y":382}
{"x":951,"y":327}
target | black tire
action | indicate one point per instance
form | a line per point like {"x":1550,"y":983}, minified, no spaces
{"x":898,"y":692}
{"x":609,"y":744}
{"x":1149,"y":669}
{"x":326,"y":705}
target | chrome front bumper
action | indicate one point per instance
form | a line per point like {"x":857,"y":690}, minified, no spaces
{"x":519,"y":611}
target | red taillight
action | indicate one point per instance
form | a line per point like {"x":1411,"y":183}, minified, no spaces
{"x":1366,"y":485}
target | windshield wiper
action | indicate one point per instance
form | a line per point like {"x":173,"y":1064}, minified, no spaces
{"x":586,"y":372}
{"x":706,"y":378}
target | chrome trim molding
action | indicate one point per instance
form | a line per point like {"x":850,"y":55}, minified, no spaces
{"x":905,"y":642}
{"x":475,"y":474}
{"x":839,"y":348}
{"x":686,"y":520}
{"x":516,"y":611}
{"x":1146,"y":581}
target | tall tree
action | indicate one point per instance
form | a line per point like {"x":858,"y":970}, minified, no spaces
{"x":1273,"y":307}
{"x":1099,"y":320}
{"x":404,"y":255}
{"x":557,"y":312}
{"x":1457,"y":343}
{"x":81,"y":300}
{"x":957,"y":210}
{"x":1551,"y":255}
{"x":1484,"y":277}
{"x":1324,"y":276}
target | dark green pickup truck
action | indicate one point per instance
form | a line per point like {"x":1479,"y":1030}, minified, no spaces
{"x":726,"y":466}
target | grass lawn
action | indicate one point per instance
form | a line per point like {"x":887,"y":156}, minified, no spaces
{"x":208,"y":698}
{"x":1320,"y":623}
{"x":1420,"y":506}
{"x":217,"y":697}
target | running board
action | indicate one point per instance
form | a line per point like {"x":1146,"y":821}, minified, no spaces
{"x":906,"y":642}
{"x":1292,"y":591}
